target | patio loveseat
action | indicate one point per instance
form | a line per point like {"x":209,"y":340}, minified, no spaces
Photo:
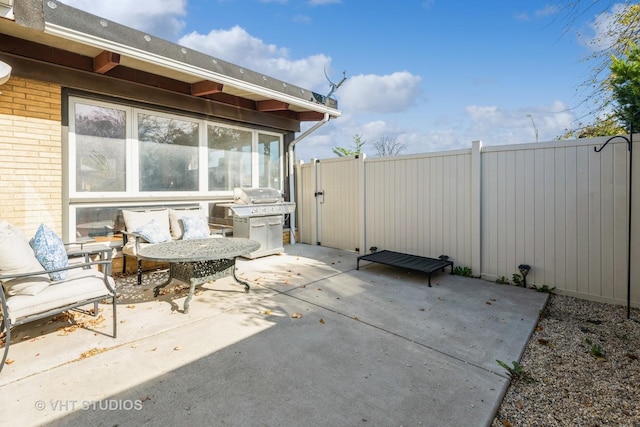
{"x":38,"y":281}
{"x":152,"y":226}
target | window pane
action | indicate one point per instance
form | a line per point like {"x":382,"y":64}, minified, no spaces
{"x":168,"y":154}
{"x":269,"y":161}
{"x":100,"y":148}
{"x":99,"y":223}
{"x":229,"y":158}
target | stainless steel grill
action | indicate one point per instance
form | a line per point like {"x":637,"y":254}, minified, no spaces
{"x":258,"y":214}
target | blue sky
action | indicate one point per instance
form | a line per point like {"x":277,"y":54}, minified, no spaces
{"x":431,"y":74}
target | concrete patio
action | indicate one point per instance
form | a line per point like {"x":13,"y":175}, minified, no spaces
{"x":315,"y":342}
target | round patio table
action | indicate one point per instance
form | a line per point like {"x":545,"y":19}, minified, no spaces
{"x":197,"y":261}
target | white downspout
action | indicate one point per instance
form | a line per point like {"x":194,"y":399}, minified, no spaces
{"x":292,"y":189}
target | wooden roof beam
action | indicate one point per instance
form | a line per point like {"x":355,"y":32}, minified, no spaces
{"x":205,"y":87}
{"x":310,"y":116}
{"x":105,"y":62}
{"x":271,"y":105}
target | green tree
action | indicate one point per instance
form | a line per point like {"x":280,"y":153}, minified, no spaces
{"x":607,"y":126}
{"x":625,"y":85}
{"x":617,"y":29}
{"x":358,"y":142}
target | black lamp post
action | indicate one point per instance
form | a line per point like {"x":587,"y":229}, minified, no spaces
{"x":629,"y":142}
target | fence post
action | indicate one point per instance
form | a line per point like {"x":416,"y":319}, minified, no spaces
{"x":362,"y":232}
{"x":314,"y":211}
{"x":476,"y":201}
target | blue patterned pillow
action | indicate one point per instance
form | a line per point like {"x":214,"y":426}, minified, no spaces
{"x":195,"y":228}
{"x":50,"y":251}
{"x":153,"y":232}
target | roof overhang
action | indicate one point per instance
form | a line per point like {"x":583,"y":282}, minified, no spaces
{"x":105,"y":47}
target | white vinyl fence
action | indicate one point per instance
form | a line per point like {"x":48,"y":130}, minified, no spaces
{"x":560,"y":207}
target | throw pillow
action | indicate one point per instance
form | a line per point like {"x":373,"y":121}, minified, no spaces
{"x":50,"y":251}
{"x":153,"y":232}
{"x":136,"y":219}
{"x":195,"y":228}
{"x":16,"y":256}
{"x":175,"y":220}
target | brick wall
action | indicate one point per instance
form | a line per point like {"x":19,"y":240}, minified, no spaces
{"x":30,"y":154}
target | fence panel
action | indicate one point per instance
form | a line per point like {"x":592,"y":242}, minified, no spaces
{"x":420,"y":204}
{"x":560,"y":207}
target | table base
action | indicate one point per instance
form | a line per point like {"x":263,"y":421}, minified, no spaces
{"x":199,"y":272}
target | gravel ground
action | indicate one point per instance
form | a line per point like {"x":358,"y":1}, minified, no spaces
{"x":583,"y":360}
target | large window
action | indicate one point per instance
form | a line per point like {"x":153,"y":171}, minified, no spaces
{"x":269,"y":160}
{"x":100,"y":160}
{"x":229,"y":157}
{"x":168,"y":153}
{"x":124,"y":155}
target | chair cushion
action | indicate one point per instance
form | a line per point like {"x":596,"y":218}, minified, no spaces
{"x":16,"y":256}
{"x":80,"y":285}
{"x":136,"y":219}
{"x":175,"y":217}
{"x":130,"y":248}
{"x":50,"y":251}
{"x":31,"y":285}
{"x":153,"y":232}
{"x":195,"y":228}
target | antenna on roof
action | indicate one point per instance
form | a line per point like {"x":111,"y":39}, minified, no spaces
{"x":334,"y":86}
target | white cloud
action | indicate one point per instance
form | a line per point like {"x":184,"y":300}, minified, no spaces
{"x":161,"y":18}
{"x":548,"y":10}
{"x":495,"y":125}
{"x":237,"y":46}
{"x":380,"y":94}
{"x":601,"y":32}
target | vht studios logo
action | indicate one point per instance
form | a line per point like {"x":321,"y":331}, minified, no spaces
{"x":90,"y":405}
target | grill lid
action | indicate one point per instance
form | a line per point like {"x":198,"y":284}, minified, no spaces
{"x":250,"y":196}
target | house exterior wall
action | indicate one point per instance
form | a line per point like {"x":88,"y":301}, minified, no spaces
{"x":30,"y":154}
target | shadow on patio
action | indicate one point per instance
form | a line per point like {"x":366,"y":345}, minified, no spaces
{"x":314,"y":340}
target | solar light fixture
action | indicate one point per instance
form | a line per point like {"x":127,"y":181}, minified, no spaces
{"x":524,"y":270}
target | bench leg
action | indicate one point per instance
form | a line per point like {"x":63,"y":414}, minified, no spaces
{"x":7,"y":341}
{"x":115,"y":319}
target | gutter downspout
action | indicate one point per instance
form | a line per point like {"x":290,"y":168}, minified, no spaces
{"x":292,"y":189}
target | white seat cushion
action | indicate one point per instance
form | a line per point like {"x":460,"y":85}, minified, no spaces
{"x":130,"y":248}
{"x":80,"y":285}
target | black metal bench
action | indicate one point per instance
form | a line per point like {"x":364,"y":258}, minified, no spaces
{"x":407,"y":261}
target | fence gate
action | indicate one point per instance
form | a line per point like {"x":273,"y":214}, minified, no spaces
{"x":330,"y":208}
